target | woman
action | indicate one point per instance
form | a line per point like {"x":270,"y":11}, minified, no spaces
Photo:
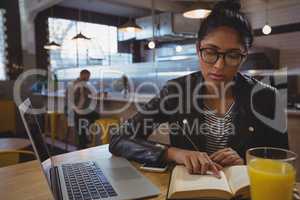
{"x":218,"y":99}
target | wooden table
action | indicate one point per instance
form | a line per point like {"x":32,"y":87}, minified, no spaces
{"x":14,"y":143}
{"x":26,"y":181}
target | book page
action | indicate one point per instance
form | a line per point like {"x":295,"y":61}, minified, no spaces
{"x":237,"y":177}
{"x":181,"y":181}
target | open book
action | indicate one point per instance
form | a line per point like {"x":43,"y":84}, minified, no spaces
{"x":234,"y":182}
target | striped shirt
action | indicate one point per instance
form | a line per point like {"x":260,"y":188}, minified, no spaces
{"x":218,"y":129}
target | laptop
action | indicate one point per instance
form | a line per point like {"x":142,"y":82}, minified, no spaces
{"x":108,"y":178}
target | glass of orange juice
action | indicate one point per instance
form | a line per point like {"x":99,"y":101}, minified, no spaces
{"x":271,"y":172}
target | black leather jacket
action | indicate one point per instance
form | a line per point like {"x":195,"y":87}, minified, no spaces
{"x":175,"y":104}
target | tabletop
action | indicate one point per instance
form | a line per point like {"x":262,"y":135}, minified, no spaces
{"x":14,"y":143}
{"x":26,"y":181}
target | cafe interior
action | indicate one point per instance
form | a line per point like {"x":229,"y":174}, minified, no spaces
{"x":130,"y":49}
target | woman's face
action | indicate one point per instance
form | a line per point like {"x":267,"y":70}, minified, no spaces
{"x":223,"y":40}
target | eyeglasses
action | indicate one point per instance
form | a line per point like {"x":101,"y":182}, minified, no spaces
{"x":231,"y":58}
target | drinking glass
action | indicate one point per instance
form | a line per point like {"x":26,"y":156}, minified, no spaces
{"x":272,"y":173}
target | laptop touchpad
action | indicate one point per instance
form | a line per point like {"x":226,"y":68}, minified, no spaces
{"x":122,"y":173}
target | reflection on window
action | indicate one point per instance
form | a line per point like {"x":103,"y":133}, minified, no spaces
{"x":102,"y":49}
{"x":2,"y":45}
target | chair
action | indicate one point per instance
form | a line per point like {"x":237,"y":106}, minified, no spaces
{"x":12,"y":157}
{"x":7,"y":116}
{"x":104,"y":124}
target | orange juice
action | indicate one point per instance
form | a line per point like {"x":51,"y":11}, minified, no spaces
{"x":271,"y":179}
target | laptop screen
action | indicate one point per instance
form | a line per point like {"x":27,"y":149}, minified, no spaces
{"x":37,"y":136}
{"x":34,"y":131}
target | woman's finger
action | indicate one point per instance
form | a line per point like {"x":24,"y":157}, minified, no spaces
{"x":229,"y":160}
{"x":215,"y":171}
{"x":213,"y":167}
{"x":239,"y":161}
{"x":188,"y":165}
{"x":205,"y":167}
{"x":219,"y":167}
{"x":202,"y":163}
{"x":217,"y":157}
{"x":195,"y":164}
{"x":217,"y":153}
{"x":222,"y":156}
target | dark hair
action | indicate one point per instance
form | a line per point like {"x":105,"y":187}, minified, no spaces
{"x":227,"y":13}
{"x":85,"y":71}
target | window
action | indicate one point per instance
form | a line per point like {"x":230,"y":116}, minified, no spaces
{"x":107,"y":66}
{"x":102,"y":49}
{"x":3,"y":46}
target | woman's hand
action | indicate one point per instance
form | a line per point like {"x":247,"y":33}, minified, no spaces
{"x":196,"y":162}
{"x":227,"y":157}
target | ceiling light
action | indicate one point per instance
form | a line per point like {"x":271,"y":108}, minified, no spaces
{"x":81,"y":40}
{"x":80,"y":36}
{"x":198,"y":10}
{"x":130,"y":26}
{"x":267,"y":29}
{"x":178,"y":48}
{"x":151,"y":44}
{"x":52,"y":46}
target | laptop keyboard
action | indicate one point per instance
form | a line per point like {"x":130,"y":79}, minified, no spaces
{"x":86,"y":181}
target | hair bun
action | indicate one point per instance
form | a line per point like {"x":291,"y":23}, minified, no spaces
{"x":232,"y":5}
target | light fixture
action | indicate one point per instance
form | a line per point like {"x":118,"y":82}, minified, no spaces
{"x":130,"y":26}
{"x":81,"y":41}
{"x":151,"y":44}
{"x":52,"y":45}
{"x":178,"y":48}
{"x":267,"y":29}
{"x":198,"y":10}
{"x":79,"y":37}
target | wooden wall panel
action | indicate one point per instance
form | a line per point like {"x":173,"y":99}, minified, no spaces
{"x":290,"y":58}
{"x":280,"y":12}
